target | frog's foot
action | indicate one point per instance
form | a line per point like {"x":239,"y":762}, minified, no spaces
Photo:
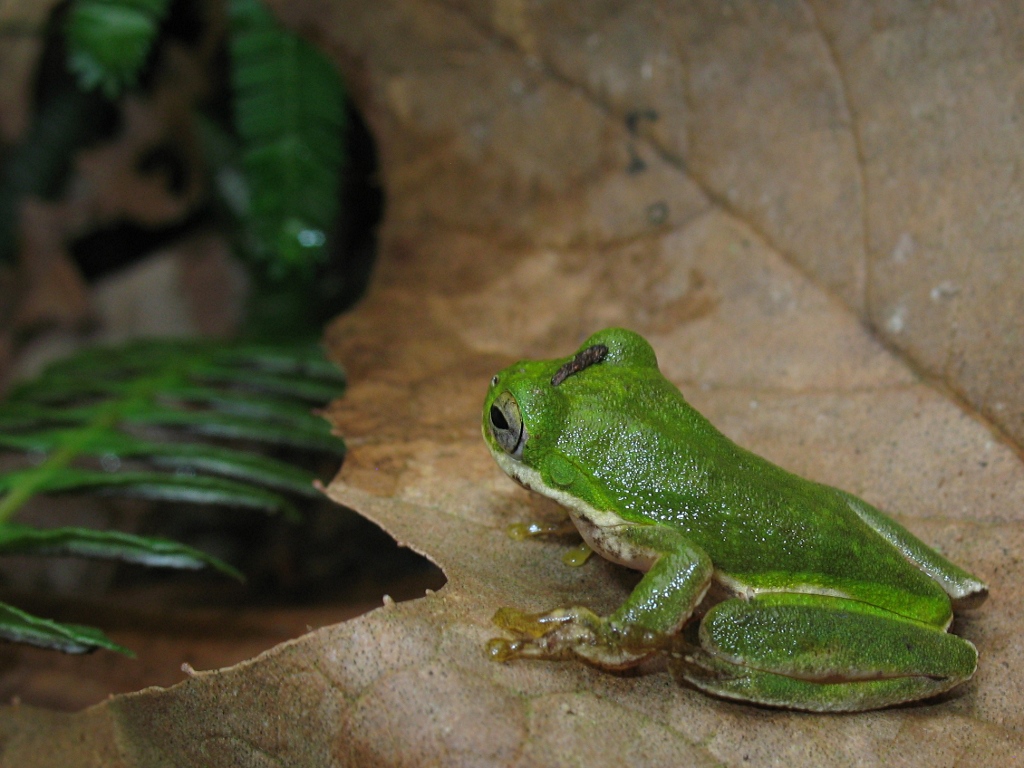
{"x":821,"y":654}
{"x":568,"y":632}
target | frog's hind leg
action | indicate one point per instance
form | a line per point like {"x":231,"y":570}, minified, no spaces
{"x":965,"y":590}
{"x":820,"y":653}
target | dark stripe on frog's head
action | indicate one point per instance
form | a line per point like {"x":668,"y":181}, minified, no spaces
{"x":583,"y":360}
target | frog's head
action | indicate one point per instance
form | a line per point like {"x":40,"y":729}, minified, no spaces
{"x":533,"y":404}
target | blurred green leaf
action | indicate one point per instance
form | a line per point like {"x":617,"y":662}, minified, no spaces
{"x":290,"y":116}
{"x":109,"y":41}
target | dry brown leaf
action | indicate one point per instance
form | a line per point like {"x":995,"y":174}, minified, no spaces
{"x":532,"y":201}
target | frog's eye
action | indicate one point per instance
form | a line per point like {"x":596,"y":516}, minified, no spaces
{"x":506,"y":424}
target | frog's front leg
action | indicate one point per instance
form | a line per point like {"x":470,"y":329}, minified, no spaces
{"x":821,"y":653}
{"x":659,"y":605}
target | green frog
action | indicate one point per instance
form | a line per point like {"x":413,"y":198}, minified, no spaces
{"x":762,"y":586}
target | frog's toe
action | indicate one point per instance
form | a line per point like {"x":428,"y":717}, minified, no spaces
{"x":567,"y":632}
{"x":551,"y":635}
{"x":532,"y":625}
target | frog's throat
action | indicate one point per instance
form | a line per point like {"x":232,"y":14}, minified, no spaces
{"x":600,"y":529}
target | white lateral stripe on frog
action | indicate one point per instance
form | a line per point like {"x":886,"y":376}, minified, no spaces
{"x":597,"y":527}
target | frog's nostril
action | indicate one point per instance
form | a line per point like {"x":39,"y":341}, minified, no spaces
{"x":498,"y":418}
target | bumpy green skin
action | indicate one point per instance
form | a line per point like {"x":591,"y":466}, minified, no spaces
{"x":838,"y":608}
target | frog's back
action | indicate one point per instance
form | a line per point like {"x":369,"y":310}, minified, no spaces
{"x":764,"y":528}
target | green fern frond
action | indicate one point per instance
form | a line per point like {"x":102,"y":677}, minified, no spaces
{"x":109,"y":40}
{"x":123,"y":420}
{"x":155,"y":486}
{"x":290,"y":116}
{"x":107,"y":545}
{"x":184,"y":457}
{"x":20,"y":627}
